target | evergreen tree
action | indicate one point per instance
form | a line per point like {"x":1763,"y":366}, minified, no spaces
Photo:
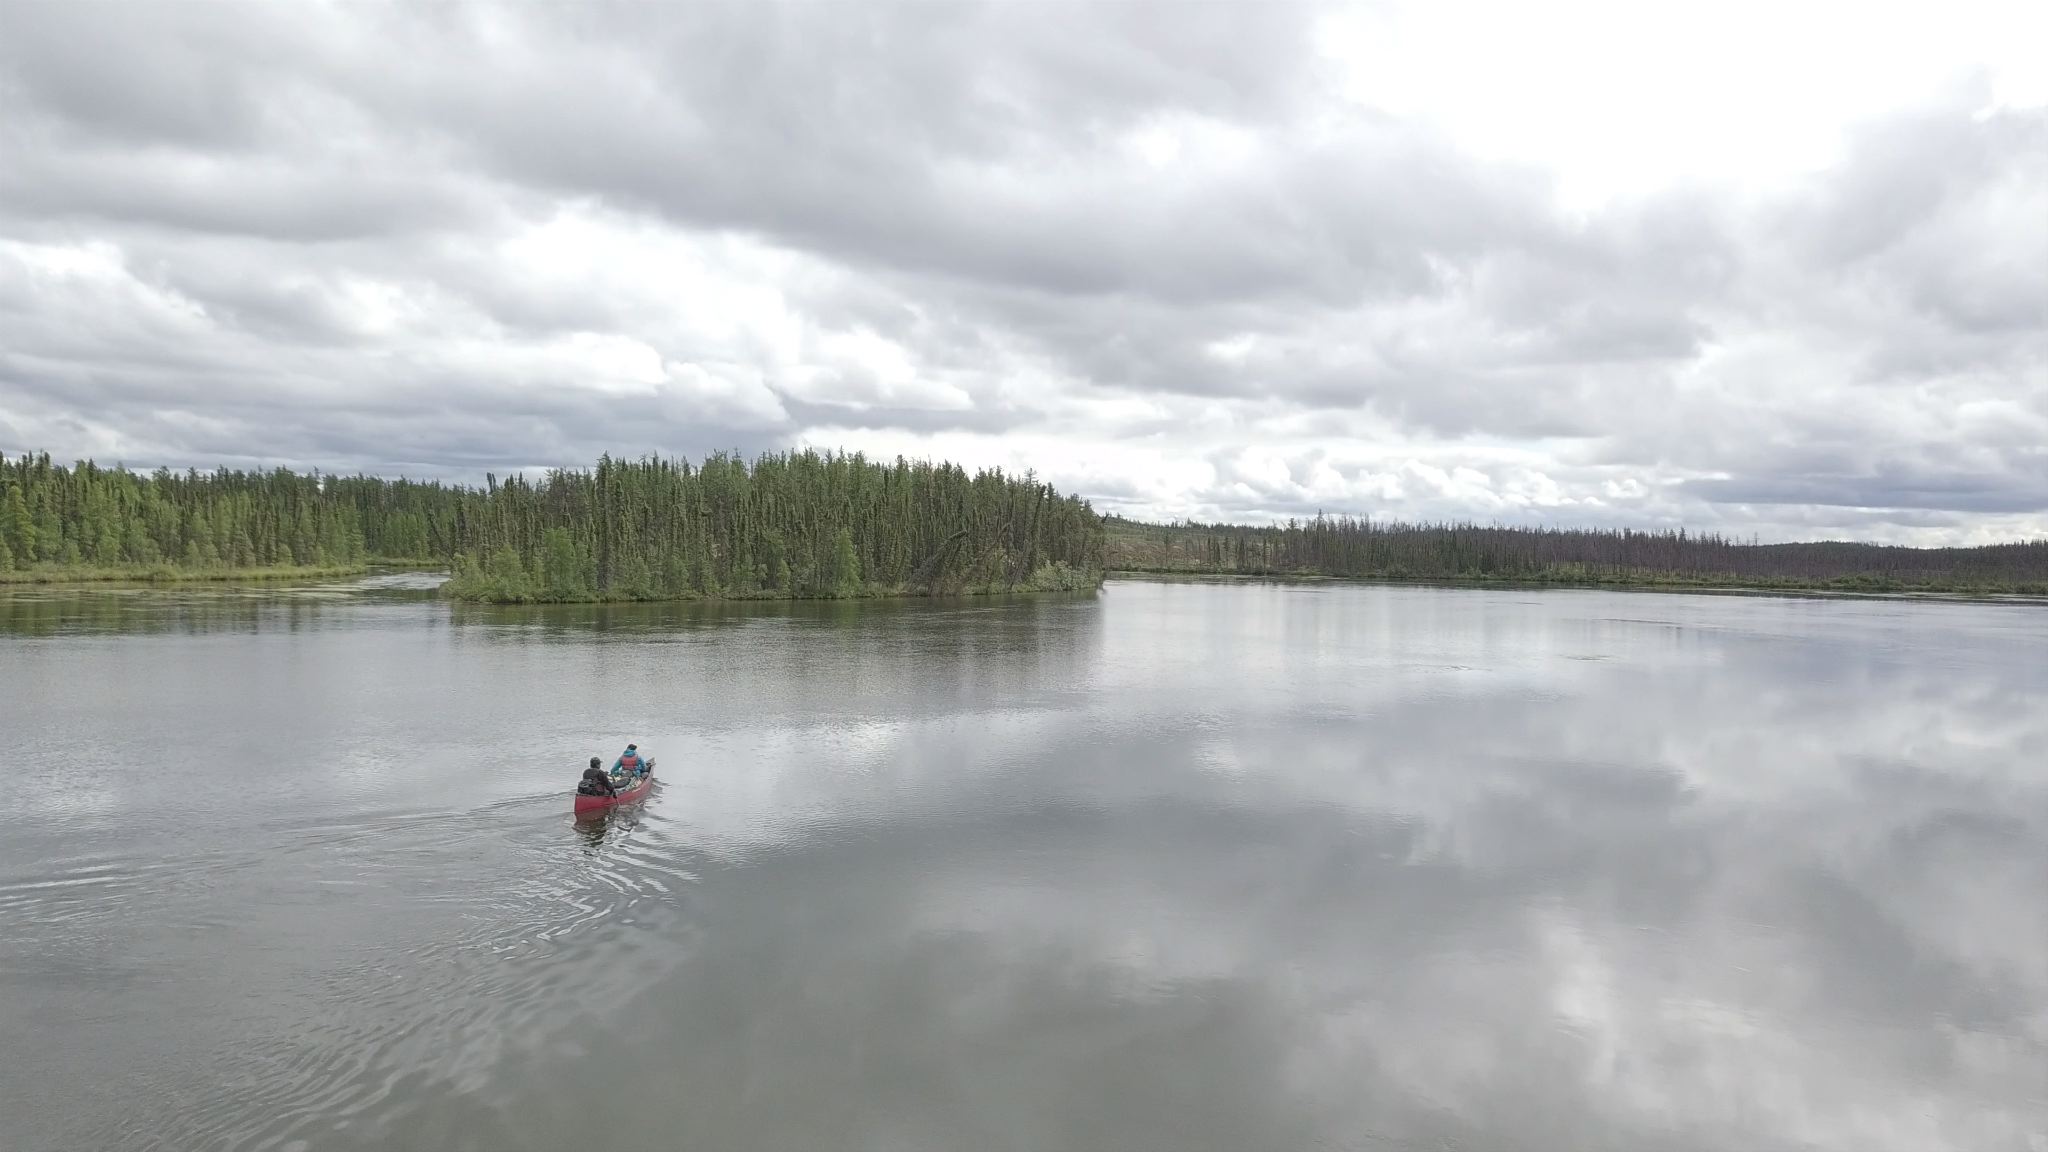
{"x":845,"y":568}
{"x":508,"y":577}
{"x":562,"y":568}
{"x":136,"y":545}
{"x":775,"y":562}
{"x":17,"y":526}
{"x":47,"y":534}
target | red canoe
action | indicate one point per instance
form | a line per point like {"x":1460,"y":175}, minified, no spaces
{"x":630,"y":795}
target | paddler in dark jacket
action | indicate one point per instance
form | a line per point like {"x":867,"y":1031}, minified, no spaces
{"x":595,"y":782}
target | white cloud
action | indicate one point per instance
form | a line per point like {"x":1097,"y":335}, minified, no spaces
{"x":1621,"y":99}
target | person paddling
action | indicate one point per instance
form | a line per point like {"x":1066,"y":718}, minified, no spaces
{"x":630,"y":763}
{"x":595,"y":782}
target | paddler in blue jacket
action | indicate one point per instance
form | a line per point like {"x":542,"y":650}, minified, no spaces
{"x":629,"y":763}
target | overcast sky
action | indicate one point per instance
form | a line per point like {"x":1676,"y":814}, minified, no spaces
{"x":1769,"y":268}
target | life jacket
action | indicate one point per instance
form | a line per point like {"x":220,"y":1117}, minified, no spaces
{"x":630,"y":762}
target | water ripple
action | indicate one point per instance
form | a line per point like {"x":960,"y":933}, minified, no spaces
{"x":447,"y":944}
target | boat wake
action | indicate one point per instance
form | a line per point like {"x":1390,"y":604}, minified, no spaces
{"x":366,"y":965}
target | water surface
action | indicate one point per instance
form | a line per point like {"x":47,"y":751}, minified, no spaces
{"x":1178,"y":866}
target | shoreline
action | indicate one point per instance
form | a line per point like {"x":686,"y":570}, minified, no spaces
{"x":43,"y":576}
{"x":1817,"y":590}
{"x":864,"y":597}
{"x":166,"y":577}
{"x":768,"y":596}
{"x":152,"y":577}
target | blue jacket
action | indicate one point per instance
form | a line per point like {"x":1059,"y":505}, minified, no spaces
{"x":619,"y":765}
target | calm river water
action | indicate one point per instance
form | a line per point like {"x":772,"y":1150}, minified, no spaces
{"x":1178,"y":867}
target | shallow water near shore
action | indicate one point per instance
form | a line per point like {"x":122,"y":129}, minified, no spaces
{"x":1172,"y":866}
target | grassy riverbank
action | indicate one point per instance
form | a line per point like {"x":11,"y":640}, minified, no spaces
{"x":172,"y":574}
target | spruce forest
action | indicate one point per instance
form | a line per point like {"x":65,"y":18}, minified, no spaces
{"x":797,"y":524}
{"x":92,"y":521}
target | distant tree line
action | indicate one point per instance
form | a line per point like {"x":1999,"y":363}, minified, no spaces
{"x":795,"y":524}
{"x":1345,"y":546}
{"x":110,"y":518}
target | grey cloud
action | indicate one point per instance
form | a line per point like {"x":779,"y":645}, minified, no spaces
{"x":313,"y":200}
{"x":987,"y":419}
{"x":2024,"y":489}
{"x":154,"y":76}
{"x":973,"y":144}
{"x":421,"y":423}
{"x":1901,"y":174}
{"x":1943,"y":217}
{"x":970,"y":142}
